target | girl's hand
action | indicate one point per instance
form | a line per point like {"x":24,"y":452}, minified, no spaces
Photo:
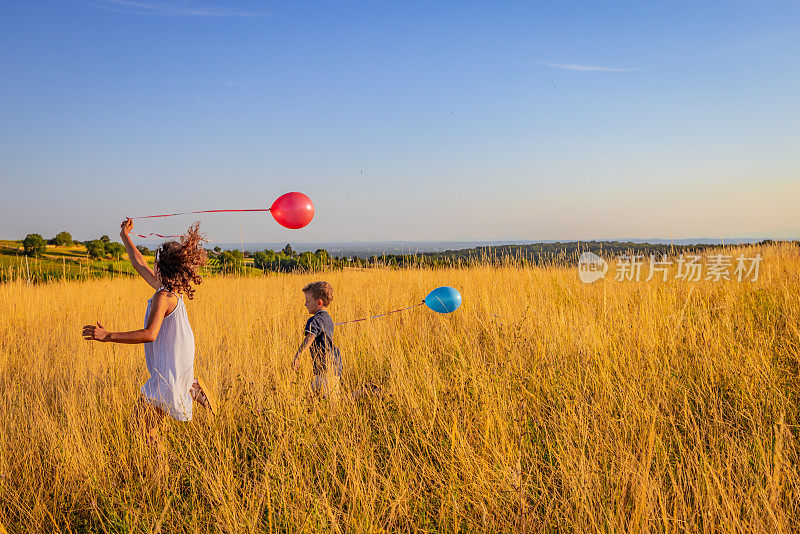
{"x":95,"y":333}
{"x":126,"y":227}
{"x":296,"y":364}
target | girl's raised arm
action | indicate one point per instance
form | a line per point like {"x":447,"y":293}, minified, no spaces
{"x":137,"y":260}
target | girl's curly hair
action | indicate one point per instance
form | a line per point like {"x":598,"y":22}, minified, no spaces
{"x":178,"y":264}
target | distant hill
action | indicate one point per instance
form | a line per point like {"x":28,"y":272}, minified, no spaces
{"x":56,"y":263}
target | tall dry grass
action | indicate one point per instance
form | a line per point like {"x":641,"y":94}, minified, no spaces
{"x":543,"y":404}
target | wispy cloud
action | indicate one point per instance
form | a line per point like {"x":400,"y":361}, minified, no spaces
{"x":588,"y":68}
{"x":185,"y":8}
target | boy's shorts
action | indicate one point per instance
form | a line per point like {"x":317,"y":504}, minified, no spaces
{"x":326,"y":385}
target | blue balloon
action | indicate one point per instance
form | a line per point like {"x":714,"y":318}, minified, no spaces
{"x":443,"y":299}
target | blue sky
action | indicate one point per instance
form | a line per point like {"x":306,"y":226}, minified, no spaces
{"x":402,"y":120}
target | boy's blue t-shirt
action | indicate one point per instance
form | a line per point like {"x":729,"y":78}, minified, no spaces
{"x":321,"y":326}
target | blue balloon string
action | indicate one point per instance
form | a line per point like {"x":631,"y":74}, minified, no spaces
{"x":381,"y":315}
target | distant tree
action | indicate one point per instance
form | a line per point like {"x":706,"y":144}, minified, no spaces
{"x":231,"y":259}
{"x":96,"y":249}
{"x":105,"y":239}
{"x":288,"y":250}
{"x":217,"y":250}
{"x":265,"y":260}
{"x":115,"y":249}
{"x":62,"y":239}
{"x":322,"y":255}
{"x":34,"y":245}
{"x":260,"y":260}
{"x":286,"y":265}
{"x":307,"y":260}
{"x":144,"y":250}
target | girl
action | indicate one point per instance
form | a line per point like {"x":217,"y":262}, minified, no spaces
{"x":167,"y":337}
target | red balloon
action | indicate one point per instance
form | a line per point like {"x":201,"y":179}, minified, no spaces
{"x":292,"y":210}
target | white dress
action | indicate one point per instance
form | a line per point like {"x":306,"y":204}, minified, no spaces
{"x":170,"y":361}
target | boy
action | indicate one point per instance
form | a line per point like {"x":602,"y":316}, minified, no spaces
{"x":326,"y":361}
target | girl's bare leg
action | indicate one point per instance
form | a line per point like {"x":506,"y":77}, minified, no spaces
{"x":201,"y":395}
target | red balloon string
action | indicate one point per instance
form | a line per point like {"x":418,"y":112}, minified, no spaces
{"x":184,"y":213}
{"x":157,"y":235}
{"x":191,"y":212}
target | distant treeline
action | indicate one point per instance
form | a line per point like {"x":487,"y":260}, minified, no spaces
{"x":566,"y":252}
{"x":35,"y":245}
{"x":286,"y":260}
{"x":559,"y":253}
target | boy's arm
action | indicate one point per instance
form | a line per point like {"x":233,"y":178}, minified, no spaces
{"x":137,"y":260}
{"x":146,"y":335}
{"x":307,"y":341}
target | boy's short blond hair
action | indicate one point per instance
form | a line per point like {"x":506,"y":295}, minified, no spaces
{"x":320,"y":290}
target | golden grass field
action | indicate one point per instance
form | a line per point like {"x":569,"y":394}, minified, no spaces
{"x":541,"y":405}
